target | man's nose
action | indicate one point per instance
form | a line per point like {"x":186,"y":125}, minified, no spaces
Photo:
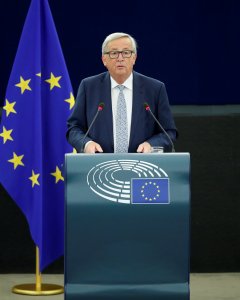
{"x":120,"y":56}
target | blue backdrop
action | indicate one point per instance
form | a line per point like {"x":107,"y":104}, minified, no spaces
{"x":191,"y":45}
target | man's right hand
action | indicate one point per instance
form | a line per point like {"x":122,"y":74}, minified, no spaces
{"x":93,"y":147}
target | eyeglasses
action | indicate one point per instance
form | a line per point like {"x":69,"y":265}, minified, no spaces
{"x":115,"y":54}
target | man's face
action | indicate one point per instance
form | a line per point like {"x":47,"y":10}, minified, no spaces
{"x":119,"y":68}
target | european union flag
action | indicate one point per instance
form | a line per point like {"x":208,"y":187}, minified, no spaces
{"x":32,"y":133}
{"x":150,"y":191}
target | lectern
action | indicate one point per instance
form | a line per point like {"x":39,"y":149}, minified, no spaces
{"x":127,"y":226}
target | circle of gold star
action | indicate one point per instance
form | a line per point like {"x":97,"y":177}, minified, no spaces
{"x":152,"y":198}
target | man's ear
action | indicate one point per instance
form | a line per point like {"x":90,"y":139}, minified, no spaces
{"x":135,"y":59}
{"x":104,"y":60}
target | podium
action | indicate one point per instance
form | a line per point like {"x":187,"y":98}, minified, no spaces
{"x":127,"y":226}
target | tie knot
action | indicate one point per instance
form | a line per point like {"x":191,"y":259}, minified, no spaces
{"x":121,"y":87}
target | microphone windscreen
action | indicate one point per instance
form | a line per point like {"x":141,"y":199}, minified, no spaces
{"x":146,"y":106}
{"x":101,"y":106}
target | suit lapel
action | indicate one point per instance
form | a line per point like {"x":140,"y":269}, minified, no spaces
{"x":137,"y":105}
{"x":107,"y":99}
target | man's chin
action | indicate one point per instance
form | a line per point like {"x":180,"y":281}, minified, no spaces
{"x":121,"y":70}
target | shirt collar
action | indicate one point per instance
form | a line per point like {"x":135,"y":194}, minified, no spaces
{"x":127,"y":83}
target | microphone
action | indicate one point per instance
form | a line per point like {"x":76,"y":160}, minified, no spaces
{"x":147,"y":108}
{"x":100,"y":108}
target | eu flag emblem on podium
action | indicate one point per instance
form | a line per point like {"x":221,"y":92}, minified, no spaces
{"x":32,"y":132}
{"x":150,"y":191}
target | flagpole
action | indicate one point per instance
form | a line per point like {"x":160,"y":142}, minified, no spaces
{"x":38,"y":288}
{"x":38,"y":274}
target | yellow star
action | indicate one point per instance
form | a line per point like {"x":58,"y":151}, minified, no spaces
{"x":58,"y":175}
{"x":71,"y":101}
{"x":6,"y":134}
{"x":23,"y":85}
{"x":74,"y":150}
{"x":16,"y":160}
{"x":39,"y":74}
{"x":34,"y":179}
{"x":53,"y":81}
{"x":9,"y":107}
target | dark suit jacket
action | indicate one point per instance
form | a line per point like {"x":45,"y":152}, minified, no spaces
{"x":96,"y":89}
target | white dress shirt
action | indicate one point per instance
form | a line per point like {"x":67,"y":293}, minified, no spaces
{"x":128,"y":95}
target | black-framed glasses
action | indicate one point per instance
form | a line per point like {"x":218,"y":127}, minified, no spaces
{"x":115,"y":54}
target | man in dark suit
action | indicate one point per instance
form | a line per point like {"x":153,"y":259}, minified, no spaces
{"x":124,"y":125}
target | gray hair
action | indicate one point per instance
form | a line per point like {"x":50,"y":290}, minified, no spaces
{"x":115,"y":36}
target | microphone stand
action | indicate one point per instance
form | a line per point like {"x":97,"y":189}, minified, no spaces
{"x":147,"y":107}
{"x":100,"y":108}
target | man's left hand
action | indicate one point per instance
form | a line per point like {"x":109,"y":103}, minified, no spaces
{"x":144,"y":148}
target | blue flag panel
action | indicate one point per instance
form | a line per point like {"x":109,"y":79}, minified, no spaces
{"x":32,"y":133}
{"x":150,"y":191}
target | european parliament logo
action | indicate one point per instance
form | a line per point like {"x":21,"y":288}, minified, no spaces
{"x":130,"y":182}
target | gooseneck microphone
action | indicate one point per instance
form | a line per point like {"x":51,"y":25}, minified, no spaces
{"x":100,"y":108}
{"x":147,"y":108}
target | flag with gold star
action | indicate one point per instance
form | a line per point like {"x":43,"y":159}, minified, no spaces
{"x":38,"y":101}
{"x":150,"y":191}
